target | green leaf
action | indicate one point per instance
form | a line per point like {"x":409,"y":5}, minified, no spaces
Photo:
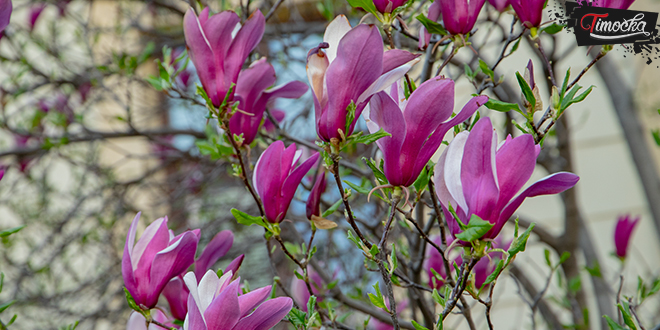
{"x":594,"y":270}
{"x":374,"y":250}
{"x":437,"y":298}
{"x":394,"y":259}
{"x":565,"y":255}
{"x":656,"y":136}
{"x":484,"y":67}
{"x":350,"y":116}
{"x":246,"y":219}
{"x":380,"y":176}
{"x":547,"y":257}
{"x":468,"y":71}
{"x":520,"y":242}
{"x":502,"y":106}
{"x":377,"y":299}
{"x":526,"y":90}
{"x":11,"y":231}
{"x":515,"y":46}
{"x":6,"y":305}
{"x":155,"y":82}
{"x":418,"y":327}
{"x":332,"y":208}
{"x":431,"y":26}
{"x":475,"y":229}
{"x":552,"y":28}
{"x":613,"y":325}
{"x":360,"y":189}
{"x":493,"y":276}
{"x":367,"y":5}
{"x":423,"y":179}
{"x":131,"y":302}
{"x":370,"y":138}
{"x":564,"y":86}
{"x":627,"y":318}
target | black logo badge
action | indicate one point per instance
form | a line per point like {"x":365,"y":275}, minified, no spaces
{"x":606,"y":26}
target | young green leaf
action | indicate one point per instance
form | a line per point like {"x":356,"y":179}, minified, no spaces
{"x":475,"y":229}
{"x":246,"y":219}
{"x":431,"y":26}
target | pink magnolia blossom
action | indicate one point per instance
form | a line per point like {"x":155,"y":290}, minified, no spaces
{"x":500,"y":5}
{"x":254,"y":95}
{"x":530,"y":12}
{"x":417,"y":125}
{"x":300,"y":293}
{"x":474,"y":176}
{"x":276,"y":178}
{"x":314,"y":199}
{"x":176,"y":292}
{"x":137,"y":322}
{"x":459,"y":16}
{"x":157,"y":257}
{"x":215,"y":304}
{"x":33,"y":15}
{"x":425,"y":36}
{"x":5,"y":14}
{"x":622,"y":233}
{"x":218,"y":53}
{"x":387,"y":6}
{"x":350,"y":66}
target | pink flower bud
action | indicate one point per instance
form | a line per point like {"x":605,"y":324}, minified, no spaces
{"x":622,"y":233}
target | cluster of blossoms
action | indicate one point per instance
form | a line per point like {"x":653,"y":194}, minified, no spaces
{"x":350,"y":74}
{"x":157,"y":265}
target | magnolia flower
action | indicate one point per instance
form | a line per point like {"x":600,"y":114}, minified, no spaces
{"x":350,"y":66}
{"x":217,"y":52}
{"x":254,"y":95}
{"x":137,"y":322}
{"x":425,"y":36}
{"x":5,"y":14}
{"x":387,"y":6}
{"x":176,"y":292}
{"x":157,"y":257}
{"x":300,"y":293}
{"x":35,"y":12}
{"x":530,"y":12}
{"x":314,"y":199}
{"x":278,"y":115}
{"x":215,"y":304}
{"x":276,"y":178}
{"x":616,"y":4}
{"x":459,"y":16}
{"x":433,"y":261}
{"x":622,"y":232}
{"x":500,"y":5}
{"x":474,"y":176}
{"x":417,"y":125}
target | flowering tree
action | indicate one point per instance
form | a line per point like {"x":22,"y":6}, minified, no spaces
{"x":410,"y":199}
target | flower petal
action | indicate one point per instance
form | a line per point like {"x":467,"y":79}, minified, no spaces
{"x":293,"y":180}
{"x":516,"y":160}
{"x":170,"y":262}
{"x":357,"y":65}
{"x":552,"y":184}
{"x":336,"y":30}
{"x":394,"y":68}
{"x":235,"y":264}
{"x":216,"y":249}
{"x":478,"y":171}
{"x":201,"y":53}
{"x":224,"y":311}
{"x":431,"y":145}
{"x":453,"y":168}
{"x":252,"y":299}
{"x":386,"y":114}
{"x":267,"y":315}
{"x":245,"y":41}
